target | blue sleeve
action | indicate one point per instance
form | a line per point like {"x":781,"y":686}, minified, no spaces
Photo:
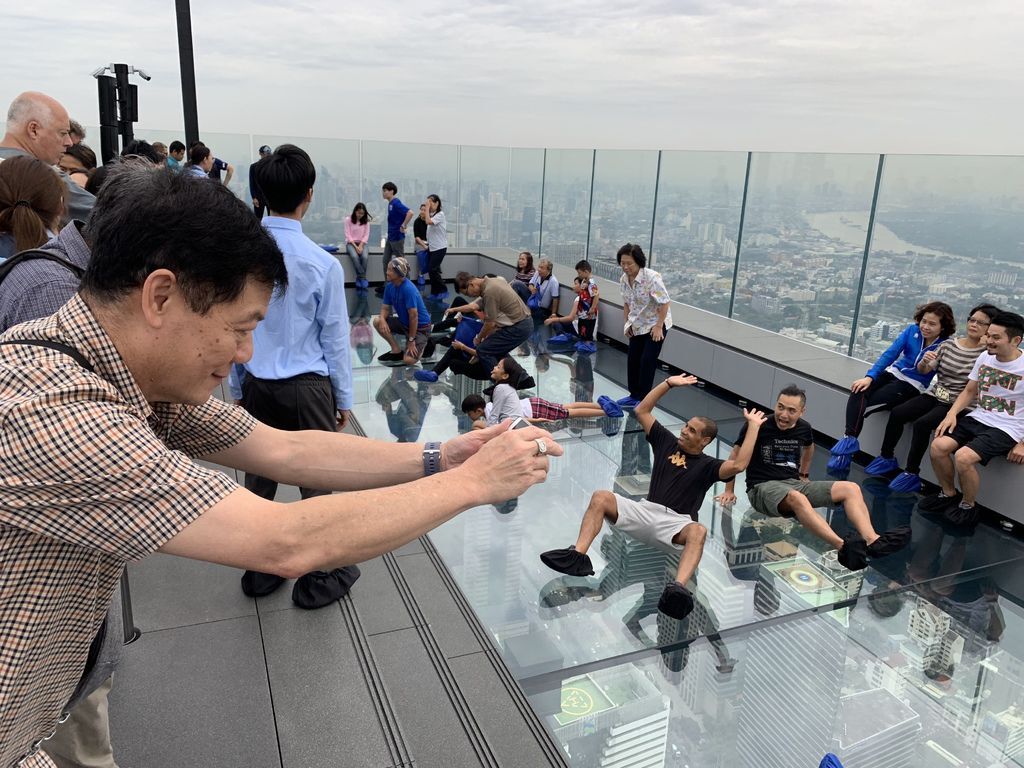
{"x":235,"y":377}
{"x":332,"y":318}
{"x":892,"y":353}
{"x":389,"y":295}
{"x":402,"y":207}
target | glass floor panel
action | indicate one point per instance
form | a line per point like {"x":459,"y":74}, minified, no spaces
{"x":771,"y":599}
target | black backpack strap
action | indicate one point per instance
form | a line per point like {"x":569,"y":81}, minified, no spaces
{"x":63,"y":348}
{"x":38,"y":253}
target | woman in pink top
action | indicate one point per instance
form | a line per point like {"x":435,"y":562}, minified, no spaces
{"x":357,"y":236}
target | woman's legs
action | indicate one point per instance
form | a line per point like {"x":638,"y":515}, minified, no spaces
{"x":584,"y":410}
{"x":924,"y":427}
{"x":633,"y":357}
{"x":885,"y":390}
{"x":648,"y":364}
{"x":521,"y":288}
{"x":434,"y":267}
{"x":900,"y":416}
{"x":358,"y":261}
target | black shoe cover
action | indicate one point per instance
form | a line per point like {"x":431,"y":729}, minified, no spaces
{"x":965,"y":516}
{"x":937,"y":503}
{"x":256,"y":584}
{"x":889,"y":542}
{"x":676,"y":601}
{"x":568,"y":561}
{"x":854,"y":552}
{"x":320,"y":588}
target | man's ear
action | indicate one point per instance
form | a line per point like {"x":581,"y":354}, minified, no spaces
{"x":158,"y":292}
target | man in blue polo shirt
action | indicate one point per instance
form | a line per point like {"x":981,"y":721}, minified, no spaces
{"x":403,"y":312}
{"x":399,"y":217}
{"x":299,"y":376}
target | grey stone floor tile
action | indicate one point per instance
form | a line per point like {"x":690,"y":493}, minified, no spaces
{"x":502,"y":722}
{"x":433,"y":731}
{"x":195,"y":696}
{"x":170,"y":591}
{"x":438,"y":606}
{"x":325,"y":715}
{"x":412,"y":548}
{"x":380,"y":606}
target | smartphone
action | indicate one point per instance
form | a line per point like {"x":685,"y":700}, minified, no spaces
{"x":519,"y":423}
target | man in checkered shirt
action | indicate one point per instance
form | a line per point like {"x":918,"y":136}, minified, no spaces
{"x":105,"y":405}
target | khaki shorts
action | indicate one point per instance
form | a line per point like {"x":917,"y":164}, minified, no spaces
{"x":651,"y":523}
{"x":765,"y":497}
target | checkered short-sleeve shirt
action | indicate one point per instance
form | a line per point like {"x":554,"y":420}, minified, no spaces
{"x":91,"y":476}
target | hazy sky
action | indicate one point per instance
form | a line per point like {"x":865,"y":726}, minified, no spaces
{"x":803,"y":75}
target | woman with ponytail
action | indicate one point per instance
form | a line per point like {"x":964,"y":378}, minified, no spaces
{"x":31,"y":204}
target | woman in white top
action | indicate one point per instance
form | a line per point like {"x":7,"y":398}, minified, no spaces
{"x":647,"y":319}
{"x":437,"y":245}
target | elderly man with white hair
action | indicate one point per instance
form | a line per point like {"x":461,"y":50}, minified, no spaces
{"x":37,"y":125}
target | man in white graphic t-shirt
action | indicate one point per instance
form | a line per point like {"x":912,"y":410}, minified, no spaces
{"x":995,"y":427}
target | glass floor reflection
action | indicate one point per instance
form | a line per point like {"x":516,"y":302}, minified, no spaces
{"x":916,"y":661}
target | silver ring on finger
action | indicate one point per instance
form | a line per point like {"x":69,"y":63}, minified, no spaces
{"x":542,"y":447}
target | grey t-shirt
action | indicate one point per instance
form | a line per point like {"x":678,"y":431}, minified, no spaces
{"x":78,"y":202}
{"x":504,"y":403}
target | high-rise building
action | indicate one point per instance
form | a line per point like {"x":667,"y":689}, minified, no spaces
{"x":876,"y":730}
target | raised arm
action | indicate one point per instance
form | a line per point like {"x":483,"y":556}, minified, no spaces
{"x":739,"y":459}
{"x":643,"y":411}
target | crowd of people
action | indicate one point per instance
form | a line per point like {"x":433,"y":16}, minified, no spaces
{"x":119,"y":327}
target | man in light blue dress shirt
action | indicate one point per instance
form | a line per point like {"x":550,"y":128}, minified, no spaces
{"x":300,"y":374}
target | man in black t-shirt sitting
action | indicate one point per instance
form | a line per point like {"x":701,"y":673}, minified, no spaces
{"x":778,"y":484}
{"x":667,"y":519}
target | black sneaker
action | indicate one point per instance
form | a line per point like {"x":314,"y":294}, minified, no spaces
{"x":854,"y":552}
{"x":568,"y":561}
{"x":889,"y":542}
{"x":939,"y":502}
{"x":961,"y":515}
{"x":676,"y":601}
{"x":389,"y":357}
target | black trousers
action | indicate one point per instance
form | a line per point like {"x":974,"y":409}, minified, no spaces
{"x":885,"y":392}
{"x":305,"y":401}
{"x":434,"y":267}
{"x":925,"y":412}
{"x":641,"y":362}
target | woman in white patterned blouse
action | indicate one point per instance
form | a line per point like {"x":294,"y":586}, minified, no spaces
{"x":647,"y":319}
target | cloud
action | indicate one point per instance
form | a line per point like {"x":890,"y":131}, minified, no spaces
{"x":921,"y":75}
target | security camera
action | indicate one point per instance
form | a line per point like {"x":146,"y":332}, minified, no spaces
{"x":142,"y":73}
{"x":99,"y":71}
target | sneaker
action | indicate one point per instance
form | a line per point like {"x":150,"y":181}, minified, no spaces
{"x":906,"y":482}
{"x":568,"y":561}
{"x":561,"y":338}
{"x":586,"y":347}
{"x":854,"y":552}
{"x":676,"y":601}
{"x":609,"y":406}
{"x":846,"y":447}
{"x":390,"y":357}
{"x":428,"y":377}
{"x":883,"y":465}
{"x":628,"y":402}
{"x":840,"y":463}
{"x":889,"y":542}
{"x":939,"y":502}
{"x":962,"y":514}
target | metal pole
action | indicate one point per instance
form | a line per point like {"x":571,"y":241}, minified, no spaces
{"x":867,"y":252}
{"x":654,"y":210}
{"x":187,"y":65}
{"x":543,"y":184}
{"x":739,"y":235}
{"x":590,"y":212}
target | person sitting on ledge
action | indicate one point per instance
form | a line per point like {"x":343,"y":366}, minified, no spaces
{"x":403,"y":312}
{"x":952,"y":363}
{"x":894,"y":378}
{"x":994,"y":428}
{"x":581,"y":321}
{"x":778,"y":483}
{"x":509,"y":377}
{"x":507,"y":324}
{"x":667,"y":519}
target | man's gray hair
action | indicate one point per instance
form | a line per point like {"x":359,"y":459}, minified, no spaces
{"x":27,"y":107}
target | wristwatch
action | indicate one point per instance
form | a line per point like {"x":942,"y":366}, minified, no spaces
{"x":431,"y":458}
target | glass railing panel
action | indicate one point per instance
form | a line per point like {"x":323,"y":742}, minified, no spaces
{"x":526,"y":179}
{"x":946,"y":229}
{"x":567,"y":174}
{"x":623,"y":206}
{"x":417,"y":170}
{"x":700,"y":195}
{"x":803,"y":244}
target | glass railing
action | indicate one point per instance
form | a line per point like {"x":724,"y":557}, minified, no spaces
{"x":831,"y":249}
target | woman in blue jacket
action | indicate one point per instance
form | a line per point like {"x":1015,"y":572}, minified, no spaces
{"x":894,"y":377}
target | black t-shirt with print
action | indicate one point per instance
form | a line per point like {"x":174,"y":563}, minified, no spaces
{"x":777,"y":452}
{"x":679,"y":480}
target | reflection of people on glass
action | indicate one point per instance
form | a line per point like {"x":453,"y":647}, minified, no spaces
{"x":952,"y":363}
{"x":645,"y":307}
{"x":894,"y":378}
{"x":403,"y":405}
{"x":361,"y":336}
{"x":666,"y":519}
{"x":778,"y":483}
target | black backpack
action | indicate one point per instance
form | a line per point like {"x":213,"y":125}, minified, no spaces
{"x":37,"y":253}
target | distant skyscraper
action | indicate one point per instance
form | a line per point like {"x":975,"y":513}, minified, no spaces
{"x":877,"y":730}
